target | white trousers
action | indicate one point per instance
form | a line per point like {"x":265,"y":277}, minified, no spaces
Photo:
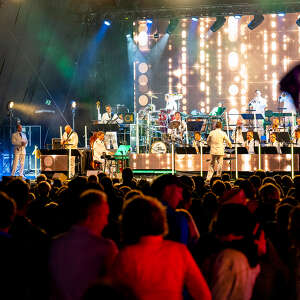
{"x":211,"y":170}
{"x":17,"y":158}
{"x":110,"y":140}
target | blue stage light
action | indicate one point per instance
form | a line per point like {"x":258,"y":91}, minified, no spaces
{"x":194,"y":19}
{"x":149,"y":21}
{"x":107,"y":22}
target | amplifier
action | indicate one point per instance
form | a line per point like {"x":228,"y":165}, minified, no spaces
{"x":56,"y":143}
{"x":50,"y":163}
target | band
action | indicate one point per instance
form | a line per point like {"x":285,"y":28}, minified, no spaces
{"x":155,"y":131}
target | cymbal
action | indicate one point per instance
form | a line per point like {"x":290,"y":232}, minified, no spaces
{"x":174,"y":124}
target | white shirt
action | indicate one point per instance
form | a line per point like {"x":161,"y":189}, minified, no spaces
{"x":259,"y":104}
{"x":250,"y":146}
{"x":71,"y":140}
{"x":17,"y":139}
{"x":288,"y":104}
{"x":110,"y":119}
{"x":98,"y":149}
{"x":216,"y":141}
{"x":237,"y":136}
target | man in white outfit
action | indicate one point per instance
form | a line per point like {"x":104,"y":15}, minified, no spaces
{"x":19,"y":140}
{"x":216,"y":141}
{"x":69,"y":139}
{"x":111,"y":136}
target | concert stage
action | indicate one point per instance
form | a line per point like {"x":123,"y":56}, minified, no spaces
{"x":194,"y":163}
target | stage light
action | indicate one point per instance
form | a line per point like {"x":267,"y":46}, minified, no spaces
{"x":128,"y":35}
{"x":149,"y":21}
{"x":281,"y":14}
{"x":238,"y":16}
{"x":73,"y":104}
{"x":220,"y":21}
{"x":298,"y":22}
{"x":194,"y":19}
{"x":257,"y":20}
{"x":107,"y":22}
{"x":10,"y":105}
{"x":172,"y":26}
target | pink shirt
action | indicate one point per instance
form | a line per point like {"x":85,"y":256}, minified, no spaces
{"x":159,"y":269}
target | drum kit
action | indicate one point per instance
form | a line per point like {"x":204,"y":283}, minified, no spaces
{"x":157,"y":130}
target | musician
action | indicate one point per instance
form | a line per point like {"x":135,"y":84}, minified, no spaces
{"x":109,"y":117}
{"x":69,"y":139}
{"x":237,"y":134}
{"x":288,"y":107}
{"x":197,"y":142}
{"x":297,"y":138}
{"x":179,"y":131}
{"x":171,"y":105}
{"x":99,"y":148}
{"x":275,"y":143}
{"x":216,"y":141}
{"x":19,"y":141}
{"x":258,"y":103}
{"x":250,"y":142}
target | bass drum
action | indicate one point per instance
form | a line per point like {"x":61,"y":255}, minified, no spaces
{"x":158,"y":147}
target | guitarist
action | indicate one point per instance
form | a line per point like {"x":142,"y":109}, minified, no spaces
{"x":69,"y":139}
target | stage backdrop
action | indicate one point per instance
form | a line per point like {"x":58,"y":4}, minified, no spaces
{"x":208,"y":68}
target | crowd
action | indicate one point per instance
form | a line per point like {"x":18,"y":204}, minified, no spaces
{"x":175,"y":237}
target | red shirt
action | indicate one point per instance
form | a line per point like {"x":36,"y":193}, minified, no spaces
{"x":159,"y":269}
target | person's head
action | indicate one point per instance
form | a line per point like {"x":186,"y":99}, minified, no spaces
{"x":219,"y":124}
{"x":7,"y":212}
{"x":167,"y":188}
{"x":93,"y":179}
{"x":272,"y":138}
{"x":68,"y":129}
{"x":127,"y":174}
{"x":18,"y":189}
{"x":218,"y":187}
{"x":249,"y":135}
{"x":40,"y":178}
{"x":19,"y":128}
{"x":44,"y":189}
{"x":239,"y":122}
{"x":143,"y":216}
{"x":197,"y":136}
{"x":258,"y":93}
{"x":100,"y":135}
{"x":269,"y":193}
{"x":108,"y":109}
{"x":93,"y":211}
{"x":236,"y":220}
{"x":177,"y":116}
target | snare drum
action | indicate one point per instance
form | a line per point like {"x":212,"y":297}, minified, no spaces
{"x":158,"y":147}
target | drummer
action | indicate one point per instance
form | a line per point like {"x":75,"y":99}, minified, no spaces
{"x":177,"y":127}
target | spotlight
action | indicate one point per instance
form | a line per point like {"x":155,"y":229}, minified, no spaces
{"x":238,"y":16}
{"x":149,"y":21}
{"x":298,"y":22}
{"x":172,"y":26}
{"x":107,"y":22}
{"x":194,"y":19}
{"x":73,"y":104}
{"x":281,"y":14}
{"x":220,"y":21}
{"x":10,"y":105}
{"x":128,"y":35}
{"x":257,"y":20}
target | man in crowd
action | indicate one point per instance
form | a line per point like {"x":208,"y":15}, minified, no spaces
{"x":216,"y":141}
{"x":80,"y":256}
{"x":19,"y":141}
